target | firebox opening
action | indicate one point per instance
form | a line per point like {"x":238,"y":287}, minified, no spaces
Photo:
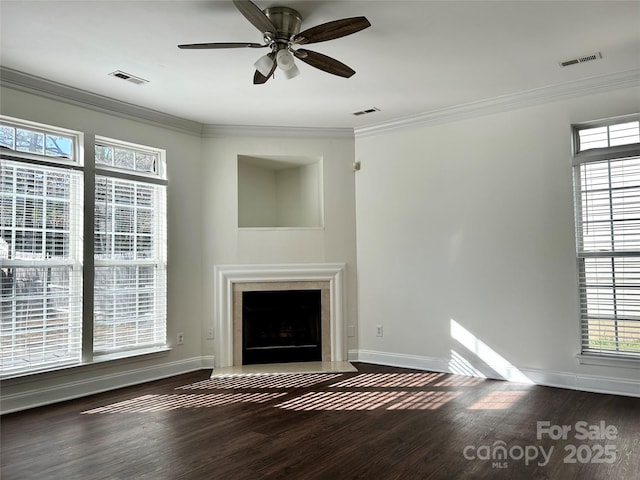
{"x":281,"y":326}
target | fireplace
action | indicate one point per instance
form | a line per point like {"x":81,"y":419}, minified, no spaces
{"x":281,"y":326}
{"x":271,"y":311}
{"x":234,"y":283}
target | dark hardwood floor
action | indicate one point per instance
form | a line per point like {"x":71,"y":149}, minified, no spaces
{"x":379,"y":423}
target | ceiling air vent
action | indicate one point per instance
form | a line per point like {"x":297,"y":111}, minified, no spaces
{"x":368,"y":110}
{"x":128,"y":77}
{"x":584,"y":58}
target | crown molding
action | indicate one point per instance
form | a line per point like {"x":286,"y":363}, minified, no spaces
{"x":225,"y":131}
{"x":49,"y":89}
{"x":25,"y":82}
{"x":529,"y":98}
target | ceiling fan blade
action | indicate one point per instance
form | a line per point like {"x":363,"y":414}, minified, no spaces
{"x":258,"y":78}
{"x":323,"y":62}
{"x":331,"y":30}
{"x":195,"y":46}
{"x":255,"y":16}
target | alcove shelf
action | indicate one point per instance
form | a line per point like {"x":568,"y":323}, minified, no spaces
{"x":280,"y":192}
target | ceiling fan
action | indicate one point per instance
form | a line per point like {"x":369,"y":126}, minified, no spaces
{"x":280,"y":28}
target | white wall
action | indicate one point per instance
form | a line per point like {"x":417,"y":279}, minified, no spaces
{"x":473,"y":222}
{"x":225,"y":244}
{"x":185,"y":269}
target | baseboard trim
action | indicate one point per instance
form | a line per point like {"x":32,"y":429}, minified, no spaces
{"x":60,"y":392}
{"x":405,"y":361}
{"x":566,"y":380}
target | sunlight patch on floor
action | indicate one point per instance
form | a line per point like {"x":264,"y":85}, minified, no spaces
{"x":260,"y":381}
{"x":387,"y":380}
{"x":388,"y":400}
{"x":459,"y":381}
{"x":423,"y":400}
{"x":498,"y":400}
{"x":163,"y":403}
{"x":340,"y":400}
{"x":363,"y":392}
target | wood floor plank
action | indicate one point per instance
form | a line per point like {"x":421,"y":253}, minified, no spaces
{"x":380,"y":422}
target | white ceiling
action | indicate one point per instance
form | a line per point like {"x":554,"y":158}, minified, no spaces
{"x":417,"y":57}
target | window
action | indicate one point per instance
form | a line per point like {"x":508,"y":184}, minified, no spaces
{"x":40,"y":248}
{"x":42,"y":200}
{"x":607,"y":204}
{"x":129,"y":248}
{"x":35,"y":141}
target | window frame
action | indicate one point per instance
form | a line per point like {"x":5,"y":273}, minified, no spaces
{"x":83,"y":162}
{"x":159,"y":177}
{"x":599,"y":356}
{"x":76,"y":160}
{"x":156,"y":180}
{"x":74,"y":259}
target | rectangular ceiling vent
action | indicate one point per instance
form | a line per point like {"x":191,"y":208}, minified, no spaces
{"x":365,"y":112}
{"x":128,"y":77}
{"x":584,"y":58}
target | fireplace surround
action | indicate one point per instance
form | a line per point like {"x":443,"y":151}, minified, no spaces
{"x":231,"y":280}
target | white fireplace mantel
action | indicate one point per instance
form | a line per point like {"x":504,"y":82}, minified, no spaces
{"x":225,"y":276}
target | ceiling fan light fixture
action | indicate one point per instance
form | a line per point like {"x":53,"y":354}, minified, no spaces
{"x":264,"y":64}
{"x":291,"y":72}
{"x":285,"y":59}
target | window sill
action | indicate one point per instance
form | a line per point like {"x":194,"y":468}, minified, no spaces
{"x":279,"y":229}
{"x":98,"y":361}
{"x":129,"y":354}
{"x":608,"y":360}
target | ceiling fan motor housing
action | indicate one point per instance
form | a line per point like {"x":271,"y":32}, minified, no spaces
{"x":287,"y":22}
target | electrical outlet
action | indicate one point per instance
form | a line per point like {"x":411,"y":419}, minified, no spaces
{"x":351,"y":330}
{"x":210,"y":333}
{"x":180,"y":338}
{"x":378,"y":330}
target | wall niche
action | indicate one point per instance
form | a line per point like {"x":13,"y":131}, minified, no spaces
{"x":279,"y":192}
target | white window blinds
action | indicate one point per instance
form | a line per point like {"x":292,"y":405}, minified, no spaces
{"x":607,"y":202}
{"x":129,"y":248}
{"x":40,"y":250}
{"x":44,"y":241}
